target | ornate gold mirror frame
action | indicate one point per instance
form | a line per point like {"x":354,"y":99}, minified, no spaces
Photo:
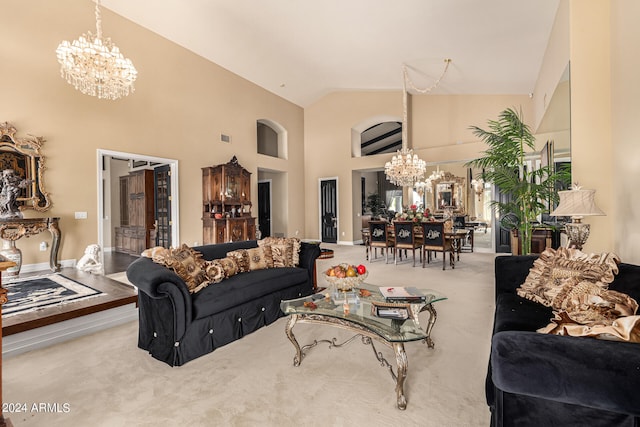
{"x":449,"y":192}
{"x":23,"y":156}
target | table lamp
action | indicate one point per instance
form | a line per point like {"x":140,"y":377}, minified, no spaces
{"x":577,"y":203}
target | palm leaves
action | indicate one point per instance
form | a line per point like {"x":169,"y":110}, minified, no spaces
{"x":509,"y":141}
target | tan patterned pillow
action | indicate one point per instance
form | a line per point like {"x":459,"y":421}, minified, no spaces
{"x":156,"y":251}
{"x":586,"y":309}
{"x":285,"y":250}
{"x":186,"y":263}
{"x":215,"y":271}
{"x":253,"y":259}
{"x":229,"y":266}
{"x":555,"y":270}
{"x":241,"y":256}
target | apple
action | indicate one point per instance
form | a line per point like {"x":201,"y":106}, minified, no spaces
{"x":361,"y":269}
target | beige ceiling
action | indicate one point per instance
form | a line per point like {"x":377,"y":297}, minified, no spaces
{"x":304,"y":49}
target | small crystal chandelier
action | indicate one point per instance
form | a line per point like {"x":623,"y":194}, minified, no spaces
{"x":405,"y":168}
{"x":478,"y":187}
{"x":95,"y":66}
{"x":428,"y":183}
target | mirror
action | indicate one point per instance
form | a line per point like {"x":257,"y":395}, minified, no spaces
{"x":450,"y":193}
{"x":22,"y":156}
{"x":556,"y":122}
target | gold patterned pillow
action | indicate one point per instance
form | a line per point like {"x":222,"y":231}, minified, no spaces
{"x":253,"y":259}
{"x":285,"y":250}
{"x":555,"y":271}
{"x":241,"y":257}
{"x":215,"y":271}
{"x":229,"y":266}
{"x":186,"y":263}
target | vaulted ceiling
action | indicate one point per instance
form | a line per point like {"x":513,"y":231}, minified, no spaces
{"x":304,"y":49}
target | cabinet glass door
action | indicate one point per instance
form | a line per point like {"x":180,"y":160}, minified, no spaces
{"x":162,"y":193}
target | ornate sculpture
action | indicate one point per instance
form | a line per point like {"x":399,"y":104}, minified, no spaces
{"x":11,"y":186}
{"x":90,"y":261}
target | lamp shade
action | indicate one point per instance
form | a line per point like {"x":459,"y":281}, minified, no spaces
{"x":577,"y":203}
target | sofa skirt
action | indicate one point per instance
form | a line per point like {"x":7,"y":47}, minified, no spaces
{"x":157,"y":326}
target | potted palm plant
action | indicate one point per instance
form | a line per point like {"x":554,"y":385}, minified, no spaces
{"x":532,"y":191}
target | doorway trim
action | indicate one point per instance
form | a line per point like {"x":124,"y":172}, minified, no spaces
{"x":337,"y":180}
{"x":175,"y":203}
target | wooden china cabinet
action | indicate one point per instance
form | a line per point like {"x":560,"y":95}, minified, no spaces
{"x":226,"y":204}
{"x":137,"y":216}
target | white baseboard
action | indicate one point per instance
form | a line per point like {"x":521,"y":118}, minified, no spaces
{"x":344,"y":242}
{"x":45,"y":336}
{"x":31,"y":268}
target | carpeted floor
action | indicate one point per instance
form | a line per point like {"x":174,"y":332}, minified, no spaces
{"x":105,"y":380}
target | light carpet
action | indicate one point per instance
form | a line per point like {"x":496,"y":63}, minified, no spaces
{"x":105,"y":380}
{"x":37,"y":292}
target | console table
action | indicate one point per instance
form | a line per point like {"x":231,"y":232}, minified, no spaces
{"x":14,"y":229}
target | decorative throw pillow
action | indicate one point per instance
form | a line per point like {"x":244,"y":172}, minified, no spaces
{"x":253,"y":259}
{"x":241,"y":257}
{"x":589,"y":310}
{"x":215,"y":271}
{"x":229,"y":266}
{"x":282,"y":255}
{"x":186,"y":263}
{"x":156,"y":251}
{"x":553,"y":271}
{"x":283,"y":246}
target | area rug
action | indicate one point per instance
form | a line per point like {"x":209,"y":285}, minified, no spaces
{"x":35,"y":293}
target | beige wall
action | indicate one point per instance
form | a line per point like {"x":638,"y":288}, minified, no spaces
{"x":439,"y":132}
{"x":625,"y":111}
{"x":181,"y":105}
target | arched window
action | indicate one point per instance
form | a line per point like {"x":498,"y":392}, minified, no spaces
{"x":381,"y":138}
{"x":376,"y":135}
{"x":272,"y":139}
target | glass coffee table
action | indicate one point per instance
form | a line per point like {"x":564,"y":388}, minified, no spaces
{"x":358,"y":315}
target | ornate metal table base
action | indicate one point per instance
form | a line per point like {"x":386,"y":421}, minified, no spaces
{"x":14,"y":229}
{"x":367,"y":338}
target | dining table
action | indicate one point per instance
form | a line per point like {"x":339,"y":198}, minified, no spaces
{"x":456,"y":235}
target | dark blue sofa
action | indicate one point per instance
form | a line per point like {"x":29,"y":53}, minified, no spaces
{"x":176,"y":326}
{"x":537,"y":379}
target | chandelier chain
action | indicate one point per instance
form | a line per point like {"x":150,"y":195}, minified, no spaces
{"x":98,"y":20}
{"x":407,"y":79}
{"x":405,"y":168}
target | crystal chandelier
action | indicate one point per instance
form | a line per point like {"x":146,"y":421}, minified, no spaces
{"x":478,"y":187}
{"x":405,"y":168}
{"x":95,"y":66}
{"x":428,"y":183}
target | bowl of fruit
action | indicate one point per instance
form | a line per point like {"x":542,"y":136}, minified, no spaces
{"x":346,"y":276}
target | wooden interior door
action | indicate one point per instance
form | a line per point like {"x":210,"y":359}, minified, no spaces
{"x":329,"y":210}
{"x":162,"y":197}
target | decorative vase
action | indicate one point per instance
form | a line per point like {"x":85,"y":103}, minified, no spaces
{"x":11,"y":253}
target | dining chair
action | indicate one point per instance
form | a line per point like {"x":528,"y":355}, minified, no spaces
{"x":466,"y":242}
{"x":379,"y":238}
{"x":434,"y":240}
{"x":405,"y":239}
